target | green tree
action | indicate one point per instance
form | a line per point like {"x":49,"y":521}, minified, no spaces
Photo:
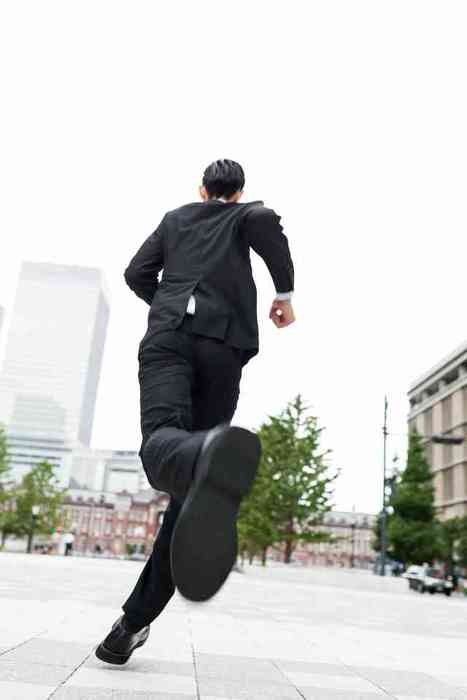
{"x":453,"y":537}
{"x":293,"y":487}
{"x":412,"y":527}
{"x":256,"y":525}
{"x":391,"y":488}
{"x":6,"y":491}
{"x":450,"y":533}
{"x":38,"y":503}
{"x":377,"y":532}
{"x":461,"y":543}
{"x":4,"y":464}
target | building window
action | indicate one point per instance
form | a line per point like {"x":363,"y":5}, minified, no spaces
{"x":446,"y":413}
{"x":448,"y":484}
{"x":428,"y":422}
{"x":448,"y":455}
{"x":428,"y":449}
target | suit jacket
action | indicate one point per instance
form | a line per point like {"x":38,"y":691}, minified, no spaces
{"x":204,"y":249}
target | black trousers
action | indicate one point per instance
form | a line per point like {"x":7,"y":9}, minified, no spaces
{"x":188,"y":385}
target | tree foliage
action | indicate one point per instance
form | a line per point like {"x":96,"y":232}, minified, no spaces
{"x":412,"y":526}
{"x":6,"y":491}
{"x":293,"y":487}
{"x":453,"y":539}
{"x":39,"y":490}
{"x":4,"y":463}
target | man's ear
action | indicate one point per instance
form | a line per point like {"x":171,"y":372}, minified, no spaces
{"x":203,"y":193}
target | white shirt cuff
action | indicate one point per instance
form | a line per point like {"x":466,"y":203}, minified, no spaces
{"x":284,"y":296}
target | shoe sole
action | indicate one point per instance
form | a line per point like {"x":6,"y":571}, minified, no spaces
{"x":204,"y":541}
{"x":111,"y":657}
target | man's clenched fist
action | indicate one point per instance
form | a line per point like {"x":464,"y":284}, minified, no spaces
{"x":282,"y":313}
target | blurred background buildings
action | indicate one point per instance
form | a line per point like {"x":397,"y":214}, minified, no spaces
{"x":52,"y":364}
{"x":438,"y":405}
{"x":48,"y":389}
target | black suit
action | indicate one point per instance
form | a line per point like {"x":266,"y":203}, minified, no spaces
{"x":190,"y":366}
{"x":204,"y":249}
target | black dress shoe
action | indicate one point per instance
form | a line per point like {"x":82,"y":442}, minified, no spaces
{"x":204,"y":540}
{"x":120,"y":643}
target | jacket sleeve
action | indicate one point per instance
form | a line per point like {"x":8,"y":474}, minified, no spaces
{"x":141,"y":273}
{"x":266,"y":237}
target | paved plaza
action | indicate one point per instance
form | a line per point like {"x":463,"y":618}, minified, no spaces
{"x":274,"y":633}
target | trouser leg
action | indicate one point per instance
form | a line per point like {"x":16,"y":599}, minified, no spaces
{"x":214,"y":390}
{"x":155,"y":586}
{"x":168,"y":449}
{"x":166,"y":378}
{"x":216,"y":383}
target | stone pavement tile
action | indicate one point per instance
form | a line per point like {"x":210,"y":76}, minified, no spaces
{"x":250,"y":690}
{"x":125,"y":679}
{"x":12,"y":637}
{"x":89,"y":693}
{"x":417,"y":697}
{"x":313,"y":667}
{"x":419,"y":685}
{"x":330,"y":694}
{"x":456,"y":679}
{"x":25,"y":672}
{"x":141,"y":664}
{"x":242,"y":675}
{"x":44,"y":651}
{"x":232,"y":668}
{"x":24,"y":691}
{"x":335,"y":682}
{"x":221,"y":660}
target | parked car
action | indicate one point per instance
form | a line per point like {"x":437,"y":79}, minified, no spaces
{"x":413,"y":574}
{"x":431,"y":580}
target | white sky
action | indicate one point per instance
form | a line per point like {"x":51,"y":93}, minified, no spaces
{"x":349,"y":119}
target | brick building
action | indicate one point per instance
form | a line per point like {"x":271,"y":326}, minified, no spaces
{"x":115,"y":524}
{"x":352,"y":539}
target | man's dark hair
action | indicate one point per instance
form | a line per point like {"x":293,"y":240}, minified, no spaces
{"x":223,"y":178}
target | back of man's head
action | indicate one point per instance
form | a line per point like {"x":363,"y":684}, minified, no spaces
{"x":223,"y":178}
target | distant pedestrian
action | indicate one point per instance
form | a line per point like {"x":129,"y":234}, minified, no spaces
{"x":68,"y":539}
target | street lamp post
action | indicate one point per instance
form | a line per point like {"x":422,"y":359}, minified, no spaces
{"x":384,"y":516}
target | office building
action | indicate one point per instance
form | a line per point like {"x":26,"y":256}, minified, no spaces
{"x":107,"y":471}
{"x":53,"y":356}
{"x":438,"y":405}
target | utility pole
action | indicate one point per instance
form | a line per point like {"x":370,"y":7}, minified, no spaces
{"x":384,"y":516}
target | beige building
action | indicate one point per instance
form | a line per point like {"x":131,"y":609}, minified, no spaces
{"x":351,"y":542}
{"x":438,"y":405}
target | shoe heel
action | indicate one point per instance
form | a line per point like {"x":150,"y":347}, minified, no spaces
{"x":236,"y":463}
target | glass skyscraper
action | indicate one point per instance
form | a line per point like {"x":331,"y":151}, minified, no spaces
{"x":53,"y":358}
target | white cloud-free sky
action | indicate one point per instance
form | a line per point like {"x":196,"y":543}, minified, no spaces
{"x":349,"y":119}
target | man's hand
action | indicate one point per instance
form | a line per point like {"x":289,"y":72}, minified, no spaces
{"x":282,"y":313}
